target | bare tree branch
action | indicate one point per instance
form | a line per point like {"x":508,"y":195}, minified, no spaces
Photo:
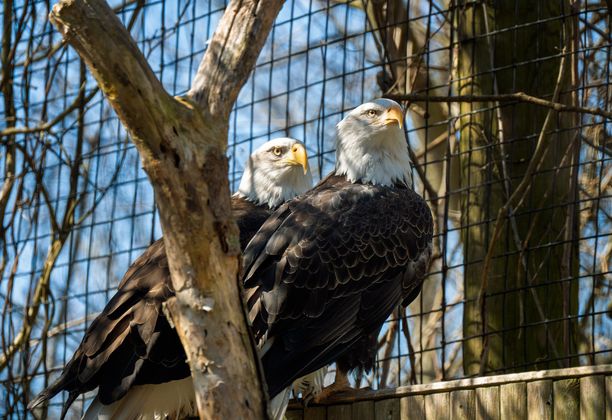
{"x":232,"y":53}
{"x":506,"y":97}
{"x":11,"y":131}
{"x":526,"y":180}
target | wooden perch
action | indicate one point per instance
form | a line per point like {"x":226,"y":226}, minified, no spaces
{"x":182,"y":143}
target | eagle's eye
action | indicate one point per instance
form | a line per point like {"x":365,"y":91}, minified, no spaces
{"x":372,"y":113}
{"x":277,"y":151}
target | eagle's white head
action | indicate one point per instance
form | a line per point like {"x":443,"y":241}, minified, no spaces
{"x":276,"y":172}
{"x":371,"y":145}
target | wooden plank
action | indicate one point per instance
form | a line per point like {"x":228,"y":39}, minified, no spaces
{"x":436,"y":406}
{"x":363,"y":410}
{"x":566,"y":398}
{"x":487,"y":403}
{"x":412,"y":408}
{"x":471,"y":383}
{"x":463,"y":404}
{"x":388,"y":409}
{"x":593,"y":398}
{"x":513,"y":401}
{"x":315,"y":413}
{"x":540,"y":400}
{"x":340,"y":412}
{"x":294,"y":415}
{"x":584,"y":398}
{"x":608,"y":397}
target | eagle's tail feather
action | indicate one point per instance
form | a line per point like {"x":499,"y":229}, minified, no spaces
{"x":95,"y":410}
{"x":45,"y":395}
{"x":127,"y":408}
{"x":310,"y":385}
{"x":175,"y":399}
{"x":50,"y":392}
{"x":278,"y":404}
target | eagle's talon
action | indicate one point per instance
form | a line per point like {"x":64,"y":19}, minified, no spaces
{"x":307,"y":399}
{"x":333,"y":389}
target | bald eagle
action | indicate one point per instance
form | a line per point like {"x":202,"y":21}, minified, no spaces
{"x":328,"y":268}
{"x":130,"y":352}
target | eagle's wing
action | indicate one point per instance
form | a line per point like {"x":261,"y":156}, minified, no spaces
{"x":329,"y":267}
{"x":122,"y":340}
{"x":131,"y":341}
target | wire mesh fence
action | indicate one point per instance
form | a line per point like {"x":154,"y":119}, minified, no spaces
{"x":520,"y":192}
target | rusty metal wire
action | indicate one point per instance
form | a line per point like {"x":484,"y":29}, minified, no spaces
{"x":76,"y":208}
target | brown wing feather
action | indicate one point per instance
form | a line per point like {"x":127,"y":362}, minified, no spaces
{"x":328,"y":268}
{"x":131,"y":342}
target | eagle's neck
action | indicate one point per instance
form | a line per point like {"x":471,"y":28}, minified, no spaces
{"x":271,"y":186}
{"x":377,"y":159}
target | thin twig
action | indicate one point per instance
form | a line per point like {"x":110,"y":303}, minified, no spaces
{"x":411,"y":358}
{"x":435,"y":143}
{"x":541,"y":147}
{"x":388,"y":342}
{"x":505,"y":97}
{"x":47,"y":126}
{"x":40,"y":291}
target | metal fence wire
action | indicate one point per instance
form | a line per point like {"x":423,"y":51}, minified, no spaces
{"x":520,"y":192}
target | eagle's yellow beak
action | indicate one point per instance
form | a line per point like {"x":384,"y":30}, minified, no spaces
{"x":298,"y":156}
{"x":394,"y":115}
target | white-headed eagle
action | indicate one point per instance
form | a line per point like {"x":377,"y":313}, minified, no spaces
{"x":130,"y":352}
{"x":327,"y":269}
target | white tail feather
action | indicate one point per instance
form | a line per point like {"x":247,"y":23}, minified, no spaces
{"x":308,"y":385}
{"x":278,"y":404}
{"x":311,"y":384}
{"x":175,"y":399}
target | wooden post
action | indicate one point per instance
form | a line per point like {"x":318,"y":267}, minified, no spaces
{"x":513,"y":401}
{"x":593,"y":398}
{"x":412,"y":407}
{"x":539,"y":400}
{"x":566,"y":397}
{"x":487,"y":403}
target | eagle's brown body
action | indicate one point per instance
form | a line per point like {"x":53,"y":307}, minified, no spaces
{"x":328,"y":268}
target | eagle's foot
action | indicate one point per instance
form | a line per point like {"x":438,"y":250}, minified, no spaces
{"x":333,"y":389}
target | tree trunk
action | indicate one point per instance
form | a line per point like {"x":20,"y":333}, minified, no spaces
{"x":182,"y":143}
{"x":404,"y":48}
{"x":519,"y":298}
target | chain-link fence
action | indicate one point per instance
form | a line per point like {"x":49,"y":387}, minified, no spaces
{"x":520,"y":192}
